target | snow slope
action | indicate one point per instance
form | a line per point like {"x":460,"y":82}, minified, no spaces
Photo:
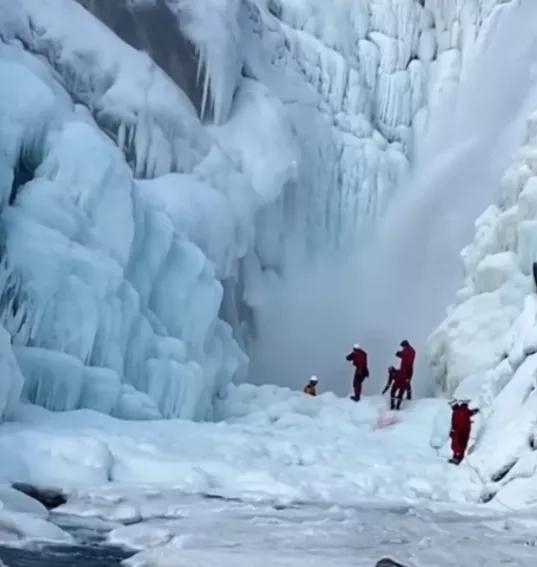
{"x":276,"y":447}
{"x":281,"y":462}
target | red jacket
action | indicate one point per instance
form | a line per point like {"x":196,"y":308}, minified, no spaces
{"x":407,"y":355}
{"x":358,"y":358}
{"x":397,"y":378}
{"x":461,"y":418}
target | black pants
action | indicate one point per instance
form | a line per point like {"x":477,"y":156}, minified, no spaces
{"x":396,"y":397}
{"x":408,"y":378}
{"x":357,"y":383}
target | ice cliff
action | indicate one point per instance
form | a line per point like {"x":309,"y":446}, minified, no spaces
{"x":146,"y":195}
{"x":486,"y":349}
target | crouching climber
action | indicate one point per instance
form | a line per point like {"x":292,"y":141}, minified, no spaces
{"x":398,"y":383}
{"x":311,"y":387}
{"x":358,"y":357}
{"x":461,"y":425}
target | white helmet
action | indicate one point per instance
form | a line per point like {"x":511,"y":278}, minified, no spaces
{"x":356,"y":346}
{"x":314,"y":379}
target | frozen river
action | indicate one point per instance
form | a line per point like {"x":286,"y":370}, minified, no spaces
{"x":206,"y":532}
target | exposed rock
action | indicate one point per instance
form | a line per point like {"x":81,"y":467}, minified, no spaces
{"x":154,"y":28}
{"x":50,"y":497}
{"x":389,"y":563}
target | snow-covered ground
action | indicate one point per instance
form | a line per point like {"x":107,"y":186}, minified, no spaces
{"x":280,"y":446}
{"x":284,"y":478}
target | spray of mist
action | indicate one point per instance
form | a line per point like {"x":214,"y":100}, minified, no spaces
{"x":307,"y":326}
{"x":399,"y":286}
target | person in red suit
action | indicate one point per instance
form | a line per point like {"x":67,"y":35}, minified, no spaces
{"x":358,"y":357}
{"x":398,"y":383}
{"x":407,"y":354}
{"x":461,"y":425}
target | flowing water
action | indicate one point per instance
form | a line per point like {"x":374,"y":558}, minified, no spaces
{"x":63,"y":556}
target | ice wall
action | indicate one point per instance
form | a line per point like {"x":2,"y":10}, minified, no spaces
{"x":403,"y":60}
{"x":413,"y":270}
{"x":486,"y":348}
{"x":120,"y":215}
{"x":485,"y":337}
{"x":149,"y":216}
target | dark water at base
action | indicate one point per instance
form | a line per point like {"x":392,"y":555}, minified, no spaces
{"x":64,"y":556}
{"x":89,"y":550}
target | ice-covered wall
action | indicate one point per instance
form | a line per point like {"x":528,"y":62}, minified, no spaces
{"x":486,"y":348}
{"x":397,"y":62}
{"x":485,"y":324}
{"x":142,"y":211}
{"x":120,"y":215}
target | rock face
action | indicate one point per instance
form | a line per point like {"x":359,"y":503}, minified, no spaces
{"x":389,"y":563}
{"x":49,"y":497}
{"x":154,"y":28}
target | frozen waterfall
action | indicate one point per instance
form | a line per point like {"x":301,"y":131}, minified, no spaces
{"x":183,"y":187}
{"x":415,"y":269}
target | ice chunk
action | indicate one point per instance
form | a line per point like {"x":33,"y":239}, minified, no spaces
{"x":16,"y":501}
{"x":527,"y":245}
{"x":493,"y":271}
{"x":101,"y":389}
{"x":53,"y":380}
{"x":16,"y":528}
{"x":133,"y":404}
{"x":139,"y":537}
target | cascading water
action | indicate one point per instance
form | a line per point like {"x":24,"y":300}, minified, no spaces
{"x":413,"y":269}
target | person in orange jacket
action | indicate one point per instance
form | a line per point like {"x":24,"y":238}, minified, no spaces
{"x":398,"y":383}
{"x":358,"y":357}
{"x":461,"y":425}
{"x":311,"y":387}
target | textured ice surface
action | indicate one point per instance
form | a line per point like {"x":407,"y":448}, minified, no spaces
{"x":485,"y":349}
{"x":275,"y":446}
{"x":235,"y":534}
{"x":137,"y":235}
{"x":147,"y":216}
{"x":288,"y":480}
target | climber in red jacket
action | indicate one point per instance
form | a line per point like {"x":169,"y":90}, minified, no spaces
{"x":397,"y":381}
{"x":407,"y":354}
{"x":358,"y":357}
{"x":461,"y":424}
